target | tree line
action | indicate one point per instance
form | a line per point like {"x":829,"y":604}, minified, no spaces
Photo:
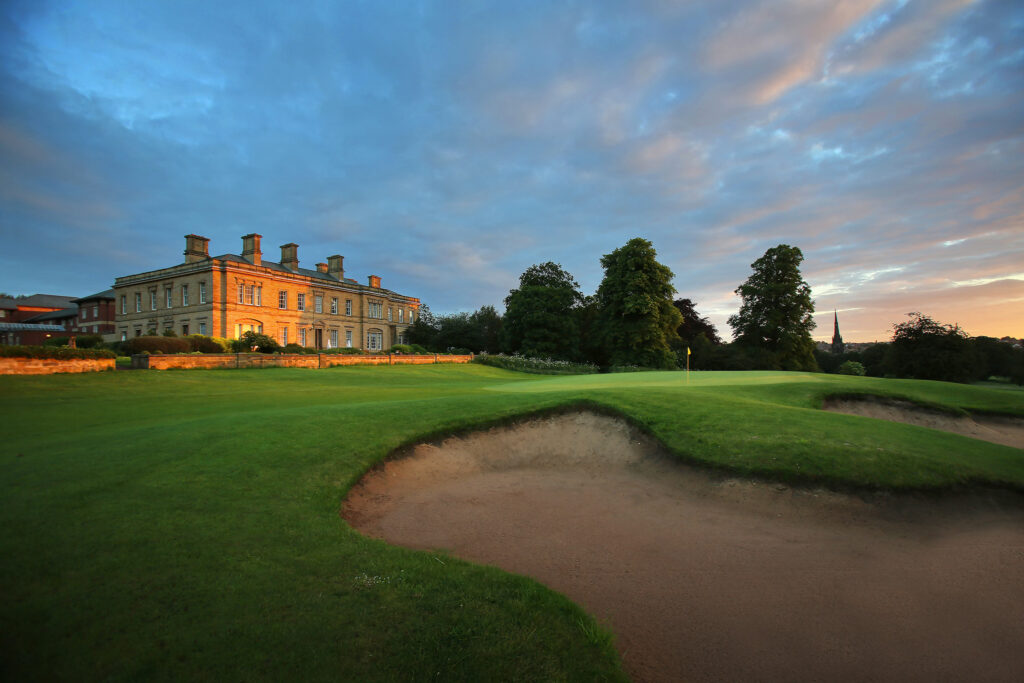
{"x":633,"y":318}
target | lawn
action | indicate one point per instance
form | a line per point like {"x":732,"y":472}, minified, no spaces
{"x":184,"y":525}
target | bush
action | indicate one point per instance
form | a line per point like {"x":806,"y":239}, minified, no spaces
{"x":537,"y":366}
{"x":344,"y":351}
{"x":154,"y":344}
{"x":82,"y":341}
{"x":203,"y":344}
{"x":295,"y":348}
{"x":169,"y":333}
{"x":852,"y":367}
{"x":255,"y":341}
{"x":401,"y":348}
{"x":59,"y":352}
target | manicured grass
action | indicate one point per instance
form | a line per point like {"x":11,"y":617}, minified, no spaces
{"x":184,"y":525}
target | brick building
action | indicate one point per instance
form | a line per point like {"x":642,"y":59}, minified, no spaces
{"x":34,"y":319}
{"x":96,"y":315}
{"x":224,"y":296}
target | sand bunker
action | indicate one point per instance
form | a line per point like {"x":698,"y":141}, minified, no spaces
{"x":707,"y":579}
{"x":1008,"y":431}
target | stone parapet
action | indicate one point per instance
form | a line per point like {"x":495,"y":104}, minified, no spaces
{"x":52,"y":366}
{"x":210,"y":361}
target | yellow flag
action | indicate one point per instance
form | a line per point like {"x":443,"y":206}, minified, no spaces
{"x":687,"y":350}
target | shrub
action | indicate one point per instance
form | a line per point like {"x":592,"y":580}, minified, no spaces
{"x":401,"y":348}
{"x":256,"y":341}
{"x":852,"y":367}
{"x":295,"y":348}
{"x":203,"y":344}
{"x":537,"y":366}
{"x":59,"y":352}
{"x":154,"y":344}
{"x":169,"y":333}
{"x":344,"y":351}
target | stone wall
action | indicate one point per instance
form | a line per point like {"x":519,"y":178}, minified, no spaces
{"x":50,"y":366}
{"x":282,"y":360}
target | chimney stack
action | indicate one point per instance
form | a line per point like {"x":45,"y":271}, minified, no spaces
{"x":321,"y":268}
{"x":290,"y":256}
{"x":336,"y":266}
{"x":375,"y":281}
{"x":196,"y":248}
{"x":251,"y":249}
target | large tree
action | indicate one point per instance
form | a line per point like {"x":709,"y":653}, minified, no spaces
{"x":776,"y":313}
{"x":922,"y":348}
{"x":637,"y":319}
{"x":540,"y":317}
{"x":693,"y":324}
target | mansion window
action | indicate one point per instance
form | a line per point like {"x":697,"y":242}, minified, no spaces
{"x":348,"y":338}
{"x":374,"y":340}
{"x":167,"y":296}
{"x":152,"y":299}
{"x":284,"y":336}
{"x":124,"y":336}
{"x":401,"y":315}
{"x":334,"y":307}
{"x":375,"y":310}
{"x":202,"y":292}
{"x":318,"y":304}
{"x":138,"y":302}
{"x":300,"y":303}
{"x":282,"y":299}
{"x":302,"y":334}
{"x":348,"y":306}
{"x":333,"y":342}
{"x":390,"y":313}
{"x":250,"y":295}
{"x":202,"y":325}
{"x":184,"y":295}
{"x":184,"y":329}
{"x":124,"y":305}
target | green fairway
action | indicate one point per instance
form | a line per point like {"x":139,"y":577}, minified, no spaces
{"x":184,"y":525}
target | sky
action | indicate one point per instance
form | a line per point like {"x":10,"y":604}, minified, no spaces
{"x":448,"y":146}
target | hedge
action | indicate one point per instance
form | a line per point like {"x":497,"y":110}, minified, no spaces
{"x":153,"y":344}
{"x":59,"y":352}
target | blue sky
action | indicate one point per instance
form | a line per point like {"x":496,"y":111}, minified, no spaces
{"x":447,"y":146}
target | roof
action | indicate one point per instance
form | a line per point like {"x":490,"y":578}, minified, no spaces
{"x":278,"y":267}
{"x":8,"y":304}
{"x":45,"y":301}
{"x":105,"y":294}
{"x":54,"y":315}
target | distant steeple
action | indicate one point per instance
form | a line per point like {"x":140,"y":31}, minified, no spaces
{"x":837,"y":339}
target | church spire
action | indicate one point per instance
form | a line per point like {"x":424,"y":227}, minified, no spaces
{"x":837,"y":339}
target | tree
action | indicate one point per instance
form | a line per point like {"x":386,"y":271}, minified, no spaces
{"x":637,"y":319}
{"x":255,"y":341}
{"x":539,"y":316}
{"x":488,"y":322}
{"x":424,"y":329}
{"x":693,"y":324}
{"x":922,"y":348}
{"x":776,"y":313}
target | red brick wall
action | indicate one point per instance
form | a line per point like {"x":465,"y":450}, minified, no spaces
{"x":50,"y":366}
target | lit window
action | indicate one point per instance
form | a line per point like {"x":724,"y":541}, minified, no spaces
{"x":318,"y":304}
{"x":138,"y":303}
{"x":302,"y":335}
{"x":334,"y":306}
{"x":334,"y":339}
{"x":259,"y":295}
{"x":300,"y":303}
{"x":348,"y":306}
{"x":248,"y":294}
{"x":184,"y":295}
{"x":401,"y":315}
{"x":282,"y":299}
{"x":202,"y":292}
{"x":184,"y":329}
{"x":167,"y":293}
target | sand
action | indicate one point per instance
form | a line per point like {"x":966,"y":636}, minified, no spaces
{"x":1008,"y":431}
{"x":716,"y":579}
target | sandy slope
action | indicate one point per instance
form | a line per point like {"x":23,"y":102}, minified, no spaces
{"x":705,"y":579}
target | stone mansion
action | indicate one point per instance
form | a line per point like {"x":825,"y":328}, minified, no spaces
{"x":224,"y":296}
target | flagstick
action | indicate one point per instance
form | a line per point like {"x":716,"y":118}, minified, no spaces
{"x":687,"y":364}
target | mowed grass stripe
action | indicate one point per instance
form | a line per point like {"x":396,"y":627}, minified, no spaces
{"x":185,"y":524}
